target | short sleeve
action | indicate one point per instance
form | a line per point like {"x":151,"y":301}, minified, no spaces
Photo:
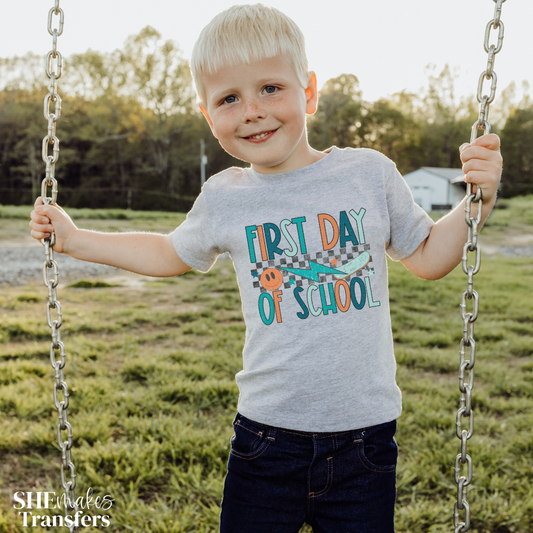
{"x":194,"y":240}
{"x":409,"y":223}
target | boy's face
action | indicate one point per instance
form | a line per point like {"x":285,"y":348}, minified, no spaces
{"x":257,"y":112}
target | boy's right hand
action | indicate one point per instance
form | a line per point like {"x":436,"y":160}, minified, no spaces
{"x":48,"y":218}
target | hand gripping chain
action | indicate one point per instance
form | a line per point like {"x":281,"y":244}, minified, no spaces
{"x":463,"y":461}
{"x":54,"y":67}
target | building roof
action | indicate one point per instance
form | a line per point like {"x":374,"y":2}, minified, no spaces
{"x":451,"y":174}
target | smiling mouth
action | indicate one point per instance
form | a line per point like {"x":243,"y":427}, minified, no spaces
{"x":260,"y":136}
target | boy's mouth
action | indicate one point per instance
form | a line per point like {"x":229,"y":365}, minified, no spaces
{"x":258,"y":137}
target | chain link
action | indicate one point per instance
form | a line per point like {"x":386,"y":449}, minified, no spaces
{"x":54,"y":69}
{"x":463,"y":461}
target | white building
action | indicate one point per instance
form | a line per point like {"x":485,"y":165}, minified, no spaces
{"x":436,"y":188}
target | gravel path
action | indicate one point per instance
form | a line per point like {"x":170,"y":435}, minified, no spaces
{"x":19,"y":265}
{"x":517,"y":251}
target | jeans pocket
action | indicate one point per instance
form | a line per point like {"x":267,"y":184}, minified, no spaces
{"x":249,"y":440}
{"x":377,"y":448}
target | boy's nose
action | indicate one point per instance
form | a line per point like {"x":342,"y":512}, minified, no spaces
{"x":253,"y":110}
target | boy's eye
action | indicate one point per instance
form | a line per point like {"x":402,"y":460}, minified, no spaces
{"x":229,"y":100}
{"x":269,"y":89}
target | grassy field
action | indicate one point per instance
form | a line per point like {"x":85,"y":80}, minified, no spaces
{"x":151,"y":372}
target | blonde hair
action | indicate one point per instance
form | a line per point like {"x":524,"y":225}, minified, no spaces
{"x":245,"y":34}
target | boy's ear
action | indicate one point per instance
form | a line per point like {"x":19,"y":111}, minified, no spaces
{"x":311,"y":94}
{"x":208,"y":118}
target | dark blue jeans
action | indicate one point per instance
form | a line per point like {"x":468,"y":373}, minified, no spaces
{"x":279,"y":479}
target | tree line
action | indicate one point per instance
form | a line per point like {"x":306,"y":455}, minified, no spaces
{"x":130,"y":131}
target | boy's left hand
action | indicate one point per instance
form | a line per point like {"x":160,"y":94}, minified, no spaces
{"x":482,"y":164}
{"x":442,"y":251}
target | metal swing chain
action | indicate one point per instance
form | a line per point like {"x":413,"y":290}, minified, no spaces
{"x":466,"y":368}
{"x":54,"y":68}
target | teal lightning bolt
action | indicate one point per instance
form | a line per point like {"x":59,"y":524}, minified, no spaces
{"x":344,"y":271}
{"x":314,"y":271}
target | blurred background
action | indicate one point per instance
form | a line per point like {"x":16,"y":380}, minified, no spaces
{"x":397,"y":77}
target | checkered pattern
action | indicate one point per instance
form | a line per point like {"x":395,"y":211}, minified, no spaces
{"x":342,"y":256}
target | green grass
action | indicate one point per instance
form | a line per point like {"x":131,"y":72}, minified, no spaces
{"x":91,"y":284}
{"x":15,"y":221}
{"x":22,"y":212}
{"x":151,"y":372}
{"x":516,"y":211}
{"x":514,"y":215}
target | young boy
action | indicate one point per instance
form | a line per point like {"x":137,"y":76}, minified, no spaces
{"x":307,"y":232}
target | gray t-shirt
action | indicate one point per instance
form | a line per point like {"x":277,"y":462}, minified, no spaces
{"x":309,"y":248}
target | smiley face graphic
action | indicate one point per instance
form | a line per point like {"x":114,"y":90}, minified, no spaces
{"x":271,"y":279}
